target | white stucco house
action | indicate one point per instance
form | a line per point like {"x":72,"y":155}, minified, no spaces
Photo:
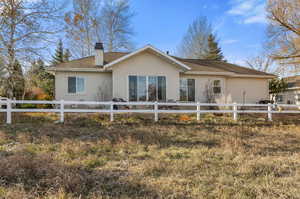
{"x":292,"y":94}
{"x":149,"y":74}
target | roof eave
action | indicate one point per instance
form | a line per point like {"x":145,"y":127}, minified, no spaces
{"x":55,"y":69}
{"x":229,"y":74}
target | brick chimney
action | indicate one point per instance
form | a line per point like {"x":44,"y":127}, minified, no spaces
{"x":99,"y":54}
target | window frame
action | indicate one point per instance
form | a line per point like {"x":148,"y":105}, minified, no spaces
{"x":76,"y":85}
{"x":147,"y":87}
{"x":187,"y":89}
{"x":219,"y":86}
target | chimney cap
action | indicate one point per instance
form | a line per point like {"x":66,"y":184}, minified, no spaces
{"x":99,"y":46}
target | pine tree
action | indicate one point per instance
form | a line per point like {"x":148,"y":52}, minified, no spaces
{"x":214,"y":51}
{"x":15,"y":82}
{"x":39,"y":77}
{"x":59,"y":54}
{"x":67,"y":55}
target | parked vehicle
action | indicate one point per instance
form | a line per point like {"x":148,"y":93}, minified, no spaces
{"x":118,"y":107}
{"x":3,"y":99}
{"x":266,"y":102}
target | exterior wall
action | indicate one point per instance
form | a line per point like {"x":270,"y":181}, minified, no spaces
{"x":255,"y":90}
{"x":98,"y":86}
{"x":201,"y":83}
{"x":105,"y":86}
{"x":232,"y":89}
{"x":145,"y":64}
{"x":291,"y":97}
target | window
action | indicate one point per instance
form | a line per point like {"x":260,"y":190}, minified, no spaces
{"x":143,"y":88}
{"x":298,"y":97}
{"x":187,"y":90}
{"x":217,"y":86}
{"x":132,"y":88}
{"x":152,"y":88}
{"x":291,"y":84}
{"x":279,"y":98}
{"x":75,"y":85}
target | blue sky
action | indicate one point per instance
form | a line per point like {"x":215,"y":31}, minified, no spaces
{"x":239,"y":24}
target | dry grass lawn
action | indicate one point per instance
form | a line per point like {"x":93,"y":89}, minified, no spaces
{"x":88,"y":157}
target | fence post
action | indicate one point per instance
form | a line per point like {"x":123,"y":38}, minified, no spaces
{"x":198,"y":111}
{"x":235,"y":116}
{"x":111,"y":111}
{"x":62,"y":108}
{"x":155,"y":112}
{"x":8,"y":111}
{"x":270,"y":112}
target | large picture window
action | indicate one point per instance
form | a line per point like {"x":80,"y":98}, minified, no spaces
{"x":147,"y":88}
{"x":76,"y":85}
{"x":187,"y":90}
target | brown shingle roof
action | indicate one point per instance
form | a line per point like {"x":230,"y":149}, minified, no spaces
{"x":89,"y":62}
{"x":219,"y":66}
{"x":197,"y":65}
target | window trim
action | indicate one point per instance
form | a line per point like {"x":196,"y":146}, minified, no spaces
{"x":147,"y":86}
{"x":220,"y":86}
{"x":187,"y":84}
{"x":76,"y":92}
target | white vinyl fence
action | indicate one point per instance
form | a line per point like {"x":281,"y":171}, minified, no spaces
{"x":7,"y":106}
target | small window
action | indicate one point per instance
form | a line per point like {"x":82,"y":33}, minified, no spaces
{"x":279,"y":98}
{"x":291,"y":84}
{"x":76,"y":85}
{"x":217,"y":86}
{"x":298,"y":97}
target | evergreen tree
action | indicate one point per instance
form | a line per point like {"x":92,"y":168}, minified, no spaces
{"x":38,"y":77}
{"x":15,"y":85}
{"x":33,"y":75}
{"x":67,"y":55}
{"x":214,"y":51}
{"x":59,"y":54}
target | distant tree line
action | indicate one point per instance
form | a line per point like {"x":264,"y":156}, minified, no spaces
{"x":29,"y":29}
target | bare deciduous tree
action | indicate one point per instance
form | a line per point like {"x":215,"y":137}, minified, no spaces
{"x":261,"y":62}
{"x":284,"y":29}
{"x":83,"y":26}
{"x":25,"y":28}
{"x":116,"y":16}
{"x":209,"y":92}
{"x":2,"y":76}
{"x":195,"y":42}
{"x":92,"y":21}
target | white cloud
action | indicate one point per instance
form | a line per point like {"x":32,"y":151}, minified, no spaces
{"x":250,"y":11}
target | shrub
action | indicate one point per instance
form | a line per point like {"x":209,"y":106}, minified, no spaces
{"x":184,"y":118}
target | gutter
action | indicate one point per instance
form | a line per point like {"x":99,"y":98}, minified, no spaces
{"x":229,"y":74}
{"x":53,"y":69}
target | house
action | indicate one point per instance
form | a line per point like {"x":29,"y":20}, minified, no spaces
{"x":292,"y":94}
{"x":148,"y":74}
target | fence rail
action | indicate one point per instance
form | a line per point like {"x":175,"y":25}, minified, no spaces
{"x":61,"y":109}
